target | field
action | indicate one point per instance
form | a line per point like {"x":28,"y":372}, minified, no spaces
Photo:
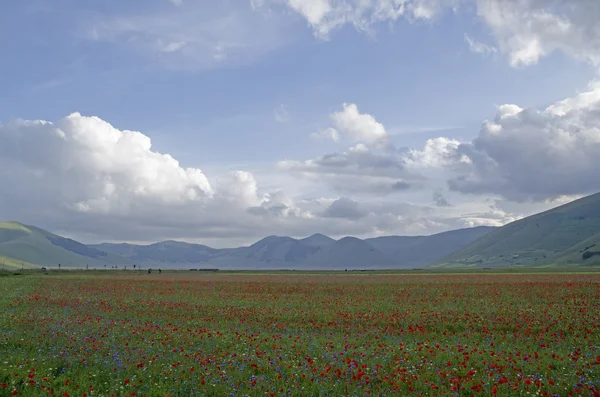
{"x":300,"y":335}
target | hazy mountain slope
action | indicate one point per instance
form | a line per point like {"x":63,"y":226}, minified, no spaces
{"x":540,"y":238}
{"x":351,"y":253}
{"x":422,"y":250}
{"x":39,"y":247}
{"x":268,"y":253}
{"x":394,"y":246}
{"x":586,"y":253}
{"x":318,"y":240}
{"x":167,"y":252}
{"x":36,"y":246}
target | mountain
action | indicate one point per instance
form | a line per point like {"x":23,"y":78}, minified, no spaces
{"x":351,"y":253}
{"x":416,"y":251}
{"x":318,"y":240}
{"x":36,"y":247}
{"x":166,"y":252}
{"x":270,"y":252}
{"x":569,"y":234}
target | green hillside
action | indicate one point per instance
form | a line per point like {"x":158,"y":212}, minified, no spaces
{"x":586,"y":253}
{"x":558,"y":236}
{"x":34,"y":246}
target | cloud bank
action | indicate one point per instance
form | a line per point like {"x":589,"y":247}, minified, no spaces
{"x":82,"y":175}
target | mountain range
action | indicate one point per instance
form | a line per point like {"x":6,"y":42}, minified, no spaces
{"x":30,"y":246}
{"x":564,"y":236}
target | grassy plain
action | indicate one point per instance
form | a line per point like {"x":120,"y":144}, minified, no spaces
{"x":294,"y":334}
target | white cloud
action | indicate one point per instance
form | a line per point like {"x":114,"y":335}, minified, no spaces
{"x":478,"y":47}
{"x":372,"y":165}
{"x":84,"y":176}
{"x":529,"y":29}
{"x":107,"y":169}
{"x":359,"y":127}
{"x":239,"y":188}
{"x":526,"y":154}
{"x":325,"y":16}
{"x":84,"y":171}
{"x":171,"y":47}
{"x":521,"y":155}
{"x":328,"y":133}
{"x":524,"y":30}
{"x":438,"y":152}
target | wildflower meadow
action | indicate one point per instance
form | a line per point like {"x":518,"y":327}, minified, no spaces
{"x":300,"y":335}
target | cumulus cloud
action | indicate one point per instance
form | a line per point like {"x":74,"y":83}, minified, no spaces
{"x":437,"y":152}
{"x":527,"y":154}
{"x":372,"y":165}
{"x":96,"y":167}
{"x":279,"y":205}
{"x":85,"y":177}
{"x":329,"y":133}
{"x":520,"y":155}
{"x":84,"y":172}
{"x":359,"y":127}
{"x":358,"y":170}
{"x":239,"y":188}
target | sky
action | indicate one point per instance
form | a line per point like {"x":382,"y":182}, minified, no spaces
{"x":224,"y":122}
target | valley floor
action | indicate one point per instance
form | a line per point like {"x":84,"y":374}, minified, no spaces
{"x":298,"y":334}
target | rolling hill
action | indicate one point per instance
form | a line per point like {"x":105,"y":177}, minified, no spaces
{"x":352,"y":253}
{"x":416,"y":251}
{"x":36,"y":247}
{"x":569,"y":234}
{"x":165,"y":252}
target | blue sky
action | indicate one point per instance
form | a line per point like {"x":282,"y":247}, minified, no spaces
{"x":243,"y":86}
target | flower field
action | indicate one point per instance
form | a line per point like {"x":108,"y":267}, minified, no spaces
{"x":300,"y":335}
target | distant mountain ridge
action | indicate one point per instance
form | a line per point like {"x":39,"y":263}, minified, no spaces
{"x":36,"y":247}
{"x":566,"y":235}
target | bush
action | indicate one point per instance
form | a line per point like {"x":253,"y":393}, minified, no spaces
{"x":589,"y":254}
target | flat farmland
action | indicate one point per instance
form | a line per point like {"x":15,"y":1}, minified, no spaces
{"x":300,"y":335}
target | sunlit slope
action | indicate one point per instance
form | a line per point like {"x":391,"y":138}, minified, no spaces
{"x":554,"y":236}
{"x":22,"y":243}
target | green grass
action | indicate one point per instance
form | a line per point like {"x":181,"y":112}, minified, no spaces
{"x":241,"y":334}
